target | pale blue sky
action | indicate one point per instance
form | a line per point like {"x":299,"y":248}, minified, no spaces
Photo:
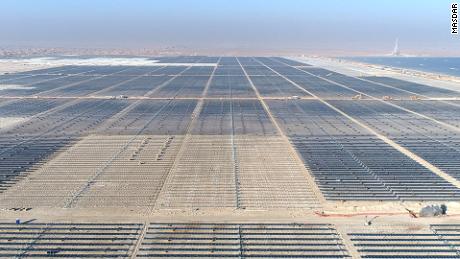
{"x":332,"y":25}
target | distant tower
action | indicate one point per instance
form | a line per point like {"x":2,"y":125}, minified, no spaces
{"x":396,"y":51}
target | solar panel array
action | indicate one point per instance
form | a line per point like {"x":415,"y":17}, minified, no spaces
{"x":233,"y":132}
{"x":420,"y":89}
{"x":239,"y":172}
{"x":349,"y":163}
{"x":439,"y":242}
{"x":240,"y":117}
{"x":436,"y":143}
{"x":242,"y":241}
{"x":228,"y":240}
{"x":70,"y":240}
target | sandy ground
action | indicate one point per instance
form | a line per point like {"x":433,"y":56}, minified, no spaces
{"x":356,"y":220}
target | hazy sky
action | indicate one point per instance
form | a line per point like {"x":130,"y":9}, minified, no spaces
{"x":312,"y":26}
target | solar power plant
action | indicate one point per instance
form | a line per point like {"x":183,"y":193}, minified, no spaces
{"x":234,"y":157}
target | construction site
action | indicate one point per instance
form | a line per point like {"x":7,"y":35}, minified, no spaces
{"x":226,"y":157}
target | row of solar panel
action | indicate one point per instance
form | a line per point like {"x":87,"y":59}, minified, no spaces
{"x":214,"y":240}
